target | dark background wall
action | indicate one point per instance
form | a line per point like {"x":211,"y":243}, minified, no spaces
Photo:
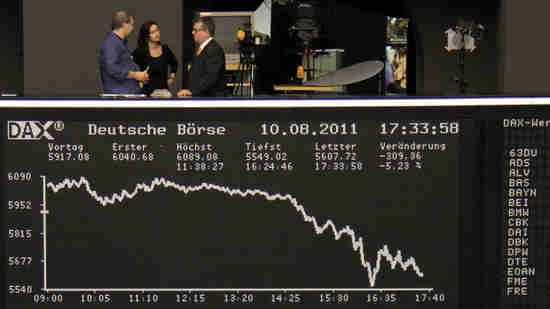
{"x":524,"y":64}
{"x":500,"y":65}
{"x":62,"y":39}
{"x":11,"y":36}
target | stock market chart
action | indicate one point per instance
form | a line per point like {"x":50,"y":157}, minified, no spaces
{"x":223,"y":212}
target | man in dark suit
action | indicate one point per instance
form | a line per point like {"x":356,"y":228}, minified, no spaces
{"x":206,"y":74}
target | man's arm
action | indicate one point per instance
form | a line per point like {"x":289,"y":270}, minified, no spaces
{"x":113,"y":67}
{"x":112,"y":63}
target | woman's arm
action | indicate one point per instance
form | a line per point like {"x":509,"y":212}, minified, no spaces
{"x":173,"y":63}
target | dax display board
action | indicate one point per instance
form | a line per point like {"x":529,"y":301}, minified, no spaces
{"x":391,"y":202}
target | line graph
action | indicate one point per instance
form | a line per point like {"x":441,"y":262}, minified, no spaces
{"x":358,"y":243}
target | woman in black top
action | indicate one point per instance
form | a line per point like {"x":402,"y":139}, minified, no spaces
{"x":155,"y":57}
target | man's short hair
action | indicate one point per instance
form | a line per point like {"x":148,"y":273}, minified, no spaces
{"x":119,"y":19}
{"x":207,"y":24}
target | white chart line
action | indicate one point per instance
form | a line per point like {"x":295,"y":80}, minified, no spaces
{"x":319,"y":228}
{"x":240,"y":290}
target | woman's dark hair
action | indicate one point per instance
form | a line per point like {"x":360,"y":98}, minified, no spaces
{"x":144,"y":33}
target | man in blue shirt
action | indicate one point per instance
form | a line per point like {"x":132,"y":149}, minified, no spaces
{"x":119,"y":73}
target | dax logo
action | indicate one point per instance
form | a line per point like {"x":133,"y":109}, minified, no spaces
{"x":31,"y":130}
